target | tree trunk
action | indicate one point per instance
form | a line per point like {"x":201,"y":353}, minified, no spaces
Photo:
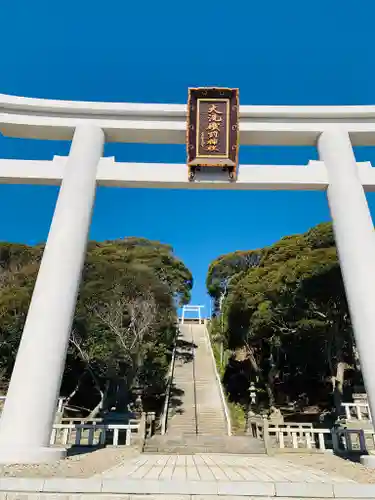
{"x":338,"y":386}
{"x":221,"y":354}
{"x":122,"y":395}
{"x":356,"y":357}
{"x":253,"y":361}
{"x":270,"y":394}
{"x":270,"y":385}
{"x":338,"y":368}
{"x":75,"y":390}
{"x":100,"y":405}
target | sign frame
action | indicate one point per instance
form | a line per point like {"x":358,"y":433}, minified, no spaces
{"x":212,"y":137}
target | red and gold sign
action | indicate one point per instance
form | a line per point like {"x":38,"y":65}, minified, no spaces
{"x":212,"y":134}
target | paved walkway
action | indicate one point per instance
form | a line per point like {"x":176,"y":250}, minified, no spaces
{"x":217,"y":468}
{"x":193,"y":477}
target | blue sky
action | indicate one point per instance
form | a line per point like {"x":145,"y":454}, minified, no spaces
{"x":276,"y":52}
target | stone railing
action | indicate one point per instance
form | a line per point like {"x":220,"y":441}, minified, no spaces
{"x":93,"y":434}
{"x":298,"y":438}
{"x":257,"y":427}
{"x":79,"y":420}
{"x":356,"y":411}
{"x":219,"y":384}
{"x":165,"y":413}
{"x":305,"y":438}
{"x":290,"y":436}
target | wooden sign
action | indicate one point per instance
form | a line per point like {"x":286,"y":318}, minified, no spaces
{"x":212,"y":129}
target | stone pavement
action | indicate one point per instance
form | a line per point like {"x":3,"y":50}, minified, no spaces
{"x":192,"y":477}
{"x":216,"y":468}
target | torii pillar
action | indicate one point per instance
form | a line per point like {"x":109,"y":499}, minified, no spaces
{"x":30,"y":406}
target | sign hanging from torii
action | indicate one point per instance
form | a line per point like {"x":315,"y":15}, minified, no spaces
{"x":212,"y":130}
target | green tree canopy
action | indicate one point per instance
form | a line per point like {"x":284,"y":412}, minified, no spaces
{"x":223,"y":270}
{"x":290,"y":315}
{"x":125,"y":320}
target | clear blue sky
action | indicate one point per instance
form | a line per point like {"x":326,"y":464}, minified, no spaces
{"x":276,"y":52}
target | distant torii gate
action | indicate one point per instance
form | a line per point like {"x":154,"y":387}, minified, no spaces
{"x":191,"y":308}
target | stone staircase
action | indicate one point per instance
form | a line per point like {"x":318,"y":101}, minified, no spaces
{"x":182,"y":406}
{"x":210,"y":412}
{"x":196,"y":417}
{"x":198,"y":444}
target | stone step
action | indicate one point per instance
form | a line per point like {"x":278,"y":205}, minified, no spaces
{"x":194,"y":444}
{"x":200,"y":396}
{"x":212,"y":425}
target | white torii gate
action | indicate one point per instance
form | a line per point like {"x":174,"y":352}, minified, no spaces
{"x":193,"y":309}
{"x":39,"y":366}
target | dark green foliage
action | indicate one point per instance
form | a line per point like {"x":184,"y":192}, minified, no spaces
{"x":289,"y":313}
{"x":227,"y":269}
{"x":125,"y":321}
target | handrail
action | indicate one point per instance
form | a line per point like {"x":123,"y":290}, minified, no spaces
{"x":164,"y":419}
{"x":362,"y":411}
{"x":67,"y":430}
{"x":218,"y":379}
{"x":97,"y":426}
{"x":194,"y":381}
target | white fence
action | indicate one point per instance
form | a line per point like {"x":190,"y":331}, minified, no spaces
{"x":305,"y":438}
{"x":302,"y":438}
{"x":258,"y":425}
{"x":219,"y":384}
{"x":291,"y":435}
{"x":93,"y":434}
{"x":356,"y":411}
{"x":339,"y":441}
{"x":86,"y":421}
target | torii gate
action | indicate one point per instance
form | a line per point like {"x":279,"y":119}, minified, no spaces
{"x":194,"y":309}
{"x":39,"y":366}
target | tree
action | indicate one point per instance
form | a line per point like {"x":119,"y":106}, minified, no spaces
{"x":124,"y":311}
{"x":18,"y":269}
{"x":124,"y":325}
{"x":226,"y":268}
{"x":290,"y":306}
{"x":155,"y":255}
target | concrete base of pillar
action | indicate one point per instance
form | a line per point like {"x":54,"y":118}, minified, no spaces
{"x":368,"y":461}
{"x":41,"y":455}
